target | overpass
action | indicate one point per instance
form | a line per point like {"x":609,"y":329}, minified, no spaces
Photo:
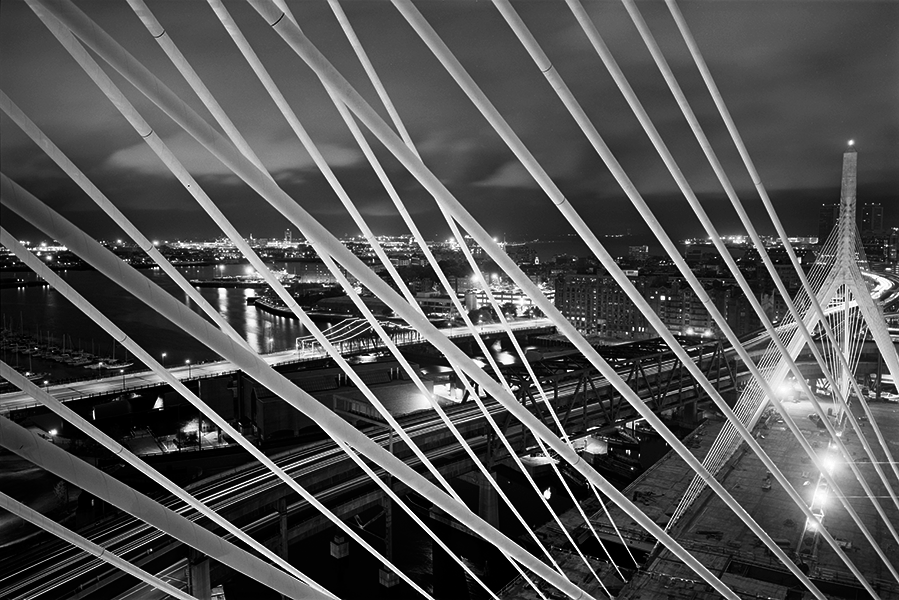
{"x":253,"y":498}
{"x":75,"y":30}
{"x":307,"y":353}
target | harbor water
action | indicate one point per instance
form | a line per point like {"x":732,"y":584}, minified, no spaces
{"x":44,"y":313}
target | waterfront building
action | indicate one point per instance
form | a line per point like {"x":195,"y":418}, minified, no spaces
{"x":595,"y":304}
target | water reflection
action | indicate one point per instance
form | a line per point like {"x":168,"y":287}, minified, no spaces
{"x":43,"y":310}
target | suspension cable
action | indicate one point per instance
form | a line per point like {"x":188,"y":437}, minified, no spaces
{"x":84,"y":544}
{"x":127,"y":456}
{"x":744,"y":217}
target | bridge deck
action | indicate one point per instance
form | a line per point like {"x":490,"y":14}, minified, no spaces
{"x":713,"y":534}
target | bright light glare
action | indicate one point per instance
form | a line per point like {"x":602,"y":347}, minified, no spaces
{"x":830,"y":463}
{"x":547,"y":493}
{"x":820,"y":498}
{"x":52,"y":432}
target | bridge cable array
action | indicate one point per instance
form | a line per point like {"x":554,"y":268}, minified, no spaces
{"x":252,"y":171}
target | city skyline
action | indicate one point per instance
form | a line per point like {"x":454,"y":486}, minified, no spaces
{"x":566,"y":388}
{"x":815,"y":75}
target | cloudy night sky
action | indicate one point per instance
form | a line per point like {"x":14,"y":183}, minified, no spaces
{"x":800,"y":79}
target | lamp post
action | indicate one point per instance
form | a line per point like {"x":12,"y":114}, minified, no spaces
{"x":122,"y":371}
{"x":188,"y":368}
{"x":163,"y":359}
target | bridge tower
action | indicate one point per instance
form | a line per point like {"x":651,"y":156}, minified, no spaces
{"x":843,"y":288}
{"x":841,"y":291}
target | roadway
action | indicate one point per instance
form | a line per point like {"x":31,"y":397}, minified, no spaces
{"x":57,"y":570}
{"x":120,"y":383}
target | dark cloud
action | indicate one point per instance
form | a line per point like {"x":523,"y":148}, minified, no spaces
{"x":799,"y":77}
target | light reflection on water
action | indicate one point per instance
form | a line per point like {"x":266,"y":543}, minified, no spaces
{"x":42,"y":309}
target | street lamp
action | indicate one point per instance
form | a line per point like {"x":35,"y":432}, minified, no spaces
{"x":122,"y":371}
{"x":163,"y":359}
{"x":188,"y":368}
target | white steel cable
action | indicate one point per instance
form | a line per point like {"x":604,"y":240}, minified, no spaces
{"x":193,"y":79}
{"x":436,"y":538}
{"x":82,"y":543}
{"x":28,"y":207}
{"x":366,"y":64}
{"x":302,"y":46}
{"x":53,"y":151}
{"x":601,"y":49}
{"x":449,"y":348}
{"x":9,"y":193}
{"x":636,"y":17}
{"x":169,"y":159}
{"x":377,"y":404}
{"x":274,"y":17}
{"x":314,"y":230}
{"x":463,"y":245}
{"x":382,"y":93}
{"x":50,"y":457}
{"x":878,"y":329}
{"x":123,"y":453}
{"x":155,"y":28}
{"x":234,"y":30}
{"x":545,"y":70}
{"x":317,"y":158}
{"x":282,"y":26}
{"x":499,"y":124}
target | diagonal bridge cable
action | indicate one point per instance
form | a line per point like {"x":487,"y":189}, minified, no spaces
{"x":311,"y":229}
{"x":462,"y":78}
{"x":659,"y":59}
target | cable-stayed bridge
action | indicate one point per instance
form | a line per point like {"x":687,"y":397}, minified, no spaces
{"x":834,"y":305}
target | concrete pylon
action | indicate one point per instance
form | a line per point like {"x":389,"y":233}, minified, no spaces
{"x":843,"y":292}
{"x":199,"y":583}
{"x":488,"y":500}
{"x":840,"y":289}
{"x":844,"y":288}
{"x":386,"y":576}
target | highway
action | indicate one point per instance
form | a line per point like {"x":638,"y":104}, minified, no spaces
{"x":123,"y":383}
{"x":56,"y":570}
